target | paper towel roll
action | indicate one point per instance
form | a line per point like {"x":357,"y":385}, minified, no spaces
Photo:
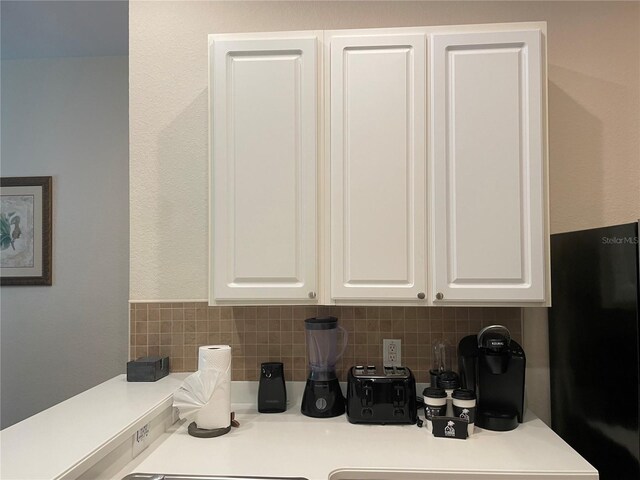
{"x":216,"y":413}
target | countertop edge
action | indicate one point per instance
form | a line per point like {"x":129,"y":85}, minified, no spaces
{"x":105,"y":448}
{"x":62,"y":425}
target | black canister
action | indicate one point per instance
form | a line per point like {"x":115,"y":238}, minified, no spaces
{"x":464,"y":406}
{"x":435,"y":404}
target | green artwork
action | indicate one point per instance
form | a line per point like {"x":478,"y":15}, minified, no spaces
{"x":8,"y":237}
{"x":16,"y":231}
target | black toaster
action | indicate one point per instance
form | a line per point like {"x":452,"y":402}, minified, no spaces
{"x":381,"y":395}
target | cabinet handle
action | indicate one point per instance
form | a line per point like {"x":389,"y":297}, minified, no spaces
{"x":421,"y":295}
{"x":312,"y":294}
{"x":439,"y":296}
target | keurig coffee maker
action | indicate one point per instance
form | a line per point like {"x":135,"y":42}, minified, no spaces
{"x":322,"y":396}
{"x":493,"y":366}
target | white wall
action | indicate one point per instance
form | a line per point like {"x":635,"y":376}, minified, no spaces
{"x":68,"y":117}
{"x":594,"y":120}
{"x":594,"y":93}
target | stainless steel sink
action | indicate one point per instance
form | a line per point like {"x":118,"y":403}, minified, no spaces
{"x":160,"y":476}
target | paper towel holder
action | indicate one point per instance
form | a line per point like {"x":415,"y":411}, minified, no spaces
{"x":198,"y":432}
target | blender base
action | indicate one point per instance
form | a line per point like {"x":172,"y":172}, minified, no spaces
{"x":322,"y":399}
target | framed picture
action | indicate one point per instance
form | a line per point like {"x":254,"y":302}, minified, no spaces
{"x":25,"y":231}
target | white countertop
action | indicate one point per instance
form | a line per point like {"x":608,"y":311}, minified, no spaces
{"x":290,"y":444}
{"x":67,"y":439}
{"x":72,"y":434}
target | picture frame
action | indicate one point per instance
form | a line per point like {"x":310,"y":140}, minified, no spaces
{"x":25,"y":231}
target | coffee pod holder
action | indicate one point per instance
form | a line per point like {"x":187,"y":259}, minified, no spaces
{"x":460,"y":402}
{"x":450,"y":427}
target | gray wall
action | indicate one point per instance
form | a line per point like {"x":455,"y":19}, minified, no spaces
{"x":68,"y":118}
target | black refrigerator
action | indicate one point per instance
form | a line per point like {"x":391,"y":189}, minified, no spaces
{"x":594,"y":345}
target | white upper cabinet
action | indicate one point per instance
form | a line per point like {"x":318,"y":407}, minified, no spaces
{"x":402,"y":166}
{"x":263,"y":182}
{"x":377,"y":92}
{"x":488,"y":201}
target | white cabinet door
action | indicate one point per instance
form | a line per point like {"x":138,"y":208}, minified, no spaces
{"x":488,"y":204}
{"x":264,"y":114}
{"x":378,"y":166}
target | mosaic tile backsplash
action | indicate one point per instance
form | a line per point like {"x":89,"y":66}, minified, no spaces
{"x":276,"y":334}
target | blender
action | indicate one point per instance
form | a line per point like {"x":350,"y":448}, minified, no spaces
{"x":322,"y":394}
{"x":442,"y":374}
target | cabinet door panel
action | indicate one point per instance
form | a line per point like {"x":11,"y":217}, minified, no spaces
{"x":264,"y":145}
{"x":488,"y":180}
{"x":378,"y":166}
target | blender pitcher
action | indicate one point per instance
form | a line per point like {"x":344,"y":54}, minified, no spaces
{"x":322,"y":394}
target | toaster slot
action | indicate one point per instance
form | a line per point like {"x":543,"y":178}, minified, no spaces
{"x":398,"y":395}
{"x":367,"y":394}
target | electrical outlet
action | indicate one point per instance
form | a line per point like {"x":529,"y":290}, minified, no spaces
{"x":391,"y":352}
{"x":140,"y":440}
